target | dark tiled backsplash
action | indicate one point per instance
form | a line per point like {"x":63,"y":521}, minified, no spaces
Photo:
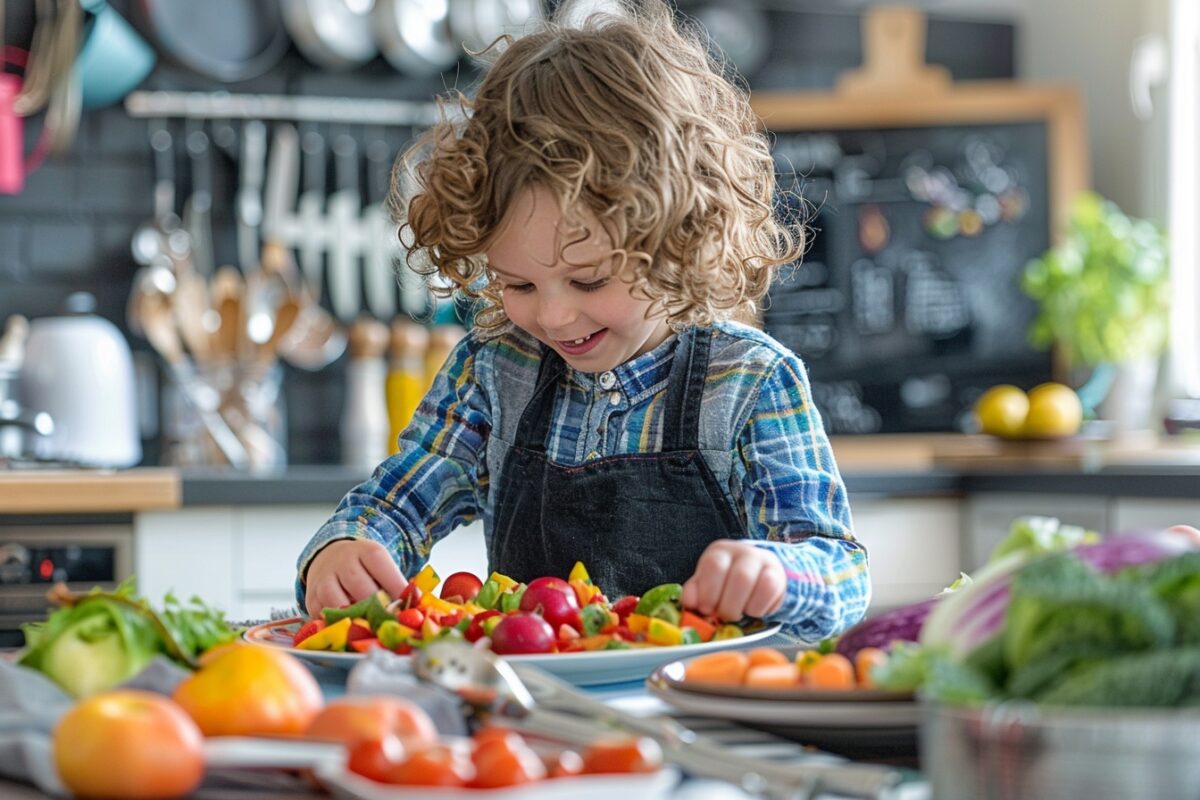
{"x":69,"y":230}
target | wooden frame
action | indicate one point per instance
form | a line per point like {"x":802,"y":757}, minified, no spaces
{"x":981,"y":102}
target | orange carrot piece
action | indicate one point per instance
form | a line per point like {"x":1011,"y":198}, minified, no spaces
{"x":865,"y":660}
{"x":762,"y":656}
{"x":832,"y":671}
{"x":773,"y":676}
{"x":726,"y":667}
{"x":703,"y":627}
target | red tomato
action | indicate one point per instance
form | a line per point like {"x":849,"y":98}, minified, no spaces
{"x":440,"y":765}
{"x":250,"y":690}
{"x":625,"y":606}
{"x":361,"y":718}
{"x":411,"y":618}
{"x":505,"y":761}
{"x":128,"y":744}
{"x":461,"y":585}
{"x":631,"y":754}
{"x":376,"y":758}
{"x":306,"y":630}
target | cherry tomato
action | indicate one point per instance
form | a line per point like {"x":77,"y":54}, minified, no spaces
{"x":632,"y":754}
{"x":306,"y":630}
{"x":625,"y":606}
{"x":411,"y":618}
{"x":505,"y":761}
{"x":376,"y":758}
{"x":440,"y":765}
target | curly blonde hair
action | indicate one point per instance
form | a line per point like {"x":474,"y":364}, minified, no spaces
{"x":626,"y":116}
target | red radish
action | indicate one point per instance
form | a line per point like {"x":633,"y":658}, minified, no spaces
{"x":461,"y":587}
{"x":555,"y":600}
{"x":522,"y":633}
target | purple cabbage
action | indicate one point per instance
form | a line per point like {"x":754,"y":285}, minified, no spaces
{"x":899,"y":624}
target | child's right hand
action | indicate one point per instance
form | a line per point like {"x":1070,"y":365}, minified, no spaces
{"x":348,"y":570}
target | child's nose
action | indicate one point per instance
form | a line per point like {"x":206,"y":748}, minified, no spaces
{"x":556,"y":314}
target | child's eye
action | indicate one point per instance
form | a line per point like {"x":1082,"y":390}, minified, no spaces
{"x":591,"y":287}
{"x":518,"y":287}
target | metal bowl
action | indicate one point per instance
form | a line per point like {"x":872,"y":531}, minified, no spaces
{"x":1019,"y":750}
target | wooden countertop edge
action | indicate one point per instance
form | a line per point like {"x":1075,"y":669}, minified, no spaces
{"x":90,"y":491}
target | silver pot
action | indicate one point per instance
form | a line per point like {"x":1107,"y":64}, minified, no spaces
{"x":1007,"y":751}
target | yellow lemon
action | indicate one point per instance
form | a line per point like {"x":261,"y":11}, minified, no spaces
{"x":1054,"y":412}
{"x":1001,"y":411}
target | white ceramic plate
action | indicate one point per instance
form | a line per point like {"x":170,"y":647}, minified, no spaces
{"x":349,"y":786}
{"x":582,"y":669}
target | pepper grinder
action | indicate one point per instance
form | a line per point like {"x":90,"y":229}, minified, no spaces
{"x":364,"y":425}
{"x":442,"y":340}
{"x":406,"y":376}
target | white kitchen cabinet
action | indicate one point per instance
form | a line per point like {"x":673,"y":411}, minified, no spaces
{"x":989,"y":517}
{"x":914,"y":546}
{"x":1140,"y":513}
{"x":243,"y":559}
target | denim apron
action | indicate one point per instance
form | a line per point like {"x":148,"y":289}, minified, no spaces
{"x":635,"y":520}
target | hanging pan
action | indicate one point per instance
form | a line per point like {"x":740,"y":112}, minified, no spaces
{"x":334,"y":34}
{"x":229,"y":40}
{"x":414,"y":35}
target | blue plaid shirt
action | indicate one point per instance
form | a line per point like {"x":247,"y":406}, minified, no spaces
{"x":759,"y":432}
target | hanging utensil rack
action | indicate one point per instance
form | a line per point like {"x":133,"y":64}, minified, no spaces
{"x":299,"y":108}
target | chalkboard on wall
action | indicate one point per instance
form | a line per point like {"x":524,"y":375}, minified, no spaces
{"x":924,"y":207}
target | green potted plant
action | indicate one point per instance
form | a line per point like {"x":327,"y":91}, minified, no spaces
{"x":1103,"y":295}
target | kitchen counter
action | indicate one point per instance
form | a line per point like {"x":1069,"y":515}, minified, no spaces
{"x":873,"y":466}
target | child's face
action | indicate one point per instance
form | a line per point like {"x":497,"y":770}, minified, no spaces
{"x":570,"y":300}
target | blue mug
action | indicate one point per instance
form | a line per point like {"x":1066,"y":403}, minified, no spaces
{"x":114,"y":59}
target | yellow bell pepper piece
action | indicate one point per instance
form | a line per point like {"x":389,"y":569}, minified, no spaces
{"x":637,"y":623}
{"x":579,"y":573}
{"x":427,"y":579}
{"x":507,"y":584}
{"x":332,"y":637}
{"x":661,"y":632}
{"x":439,"y":605}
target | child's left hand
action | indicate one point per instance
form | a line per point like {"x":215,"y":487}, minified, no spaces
{"x":736,"y":579}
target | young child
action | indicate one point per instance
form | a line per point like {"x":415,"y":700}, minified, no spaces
{"x":608,"y":201}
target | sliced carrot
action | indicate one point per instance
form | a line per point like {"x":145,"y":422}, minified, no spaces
{"x":726,"y":667}
{"x":699,"y":624}
{"x":866,"y":660}
{"x":832,"y":671}
{"x":773,"y":676}
{"x":761,"y":656}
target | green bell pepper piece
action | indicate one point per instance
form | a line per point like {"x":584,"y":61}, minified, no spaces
{"x":663,"y":602}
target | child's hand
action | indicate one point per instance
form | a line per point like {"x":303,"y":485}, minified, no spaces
{"x":348,"y":570}
{"x":736,"y":579}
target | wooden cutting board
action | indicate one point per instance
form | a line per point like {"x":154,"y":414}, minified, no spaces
{"x":1077,"y":453}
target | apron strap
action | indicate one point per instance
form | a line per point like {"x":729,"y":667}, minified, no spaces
{"x":685,"y":388}
{"x":534,"y":426}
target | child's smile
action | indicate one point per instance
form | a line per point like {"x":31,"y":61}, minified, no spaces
{"x":569,"y":297}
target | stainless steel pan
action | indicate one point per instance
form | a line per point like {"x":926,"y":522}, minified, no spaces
{"x":229,"y":40}
{"x":335,"y":34}
{"x":414,"y":35}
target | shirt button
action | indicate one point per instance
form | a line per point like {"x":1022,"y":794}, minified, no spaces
{"x":614,"y":399}
{"x":607,"y":380}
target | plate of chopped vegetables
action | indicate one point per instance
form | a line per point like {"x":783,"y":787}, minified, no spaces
{"x":567,"y":627}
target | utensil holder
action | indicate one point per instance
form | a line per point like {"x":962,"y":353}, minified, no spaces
{"x":247,"y":396}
